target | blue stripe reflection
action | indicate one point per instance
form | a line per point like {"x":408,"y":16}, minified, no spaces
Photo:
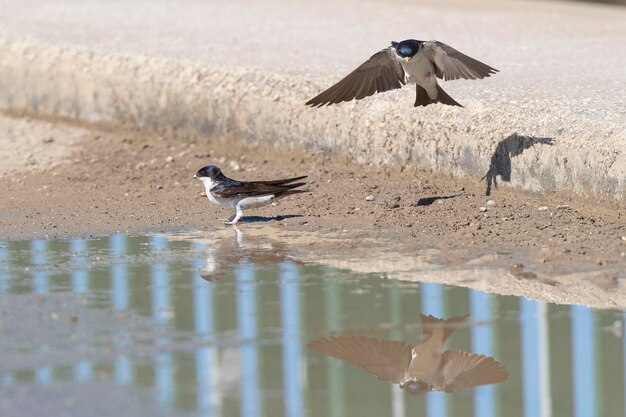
{"x":583,"y":353}
{"x":292,"y":350}
{"x":160,"y":314}
{"x":535,"y":370}
{"x":432,"y":303}
{"x":80,"y":284}
{"x":4,"y":267}
{"x":122,"y":367}
{"x":39,"y":258}
{"x":250,"y":402}
{"x":482,"y":342}
{"x":207,"y":365}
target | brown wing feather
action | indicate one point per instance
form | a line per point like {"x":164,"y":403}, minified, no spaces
{"x":382,"y":72}
{"x":451,"y":64}
{"x":385,"y":359}
{"x":462,"y":369}
{"x":255,"y":189}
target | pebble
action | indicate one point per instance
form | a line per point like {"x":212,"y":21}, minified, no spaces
{"x":475,"y":226}
{"x":369,"y":198}
{"x":158,"y":187}
{"x":169,"y":159}
{"x":483,"y":209}
{"x":491,"y":203}
{"x":543,"y":208}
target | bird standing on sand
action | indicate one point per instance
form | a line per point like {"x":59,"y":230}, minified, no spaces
{"x":409,"y":61}
{"x":241,"y":195}
{"x":416,"y":368}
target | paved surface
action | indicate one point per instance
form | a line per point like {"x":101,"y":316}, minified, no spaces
{"x":246,"y":68}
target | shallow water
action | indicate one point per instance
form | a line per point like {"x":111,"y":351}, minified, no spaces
{"x":182,"y":325}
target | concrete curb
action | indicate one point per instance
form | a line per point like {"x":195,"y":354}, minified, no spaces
{"x":541,"y":153}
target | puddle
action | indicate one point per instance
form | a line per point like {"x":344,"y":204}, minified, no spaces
{"x":218,"y":325}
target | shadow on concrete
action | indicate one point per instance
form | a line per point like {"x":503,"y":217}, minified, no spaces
{"x":263,"y":219}
{"x":506,"y":149}
{"x":427,"y":201}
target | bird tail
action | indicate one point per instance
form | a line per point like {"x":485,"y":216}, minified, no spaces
{"x":430,"y":323}
{"x":284,"y":182}
{"x":422,"y":98}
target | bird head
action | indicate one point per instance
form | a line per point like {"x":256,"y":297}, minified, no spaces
{"x":211,"y":172}
{"x":416,"y":387}
{"x":406,"y":49}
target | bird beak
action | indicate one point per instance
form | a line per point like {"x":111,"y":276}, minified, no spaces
{"x":195,"y":176}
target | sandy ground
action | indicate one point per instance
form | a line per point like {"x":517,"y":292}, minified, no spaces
{"x":94,"y":180}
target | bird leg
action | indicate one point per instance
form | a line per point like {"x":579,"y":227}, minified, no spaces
{"x":236,"y":216}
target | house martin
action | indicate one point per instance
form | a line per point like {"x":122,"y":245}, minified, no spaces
{"x":409,"y":61}
{"x":418,"y":369}
{"x":241,"y":195}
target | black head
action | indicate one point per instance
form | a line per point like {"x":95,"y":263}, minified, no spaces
{"x":407,"y":48}
{"x":210,"y":171}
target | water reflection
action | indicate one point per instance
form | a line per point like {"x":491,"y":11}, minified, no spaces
{"x":237,"y":346}
{"x":224,"y":254}
{"x":418,"y":369}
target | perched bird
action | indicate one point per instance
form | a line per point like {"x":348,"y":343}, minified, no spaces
{"x":240,"y":195}
{"x":416,"y":368}
{"x":409,"y":61}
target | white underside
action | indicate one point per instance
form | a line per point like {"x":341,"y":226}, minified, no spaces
{"x":422,"y":72}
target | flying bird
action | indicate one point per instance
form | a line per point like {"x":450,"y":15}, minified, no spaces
{"x":416,"y":368}
{"x":409,"y":61}
{"x":241,"y":195}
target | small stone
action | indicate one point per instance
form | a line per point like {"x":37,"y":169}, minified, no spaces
{"x":491,"y":203}
{"x":394,"y":205}
{"x":623,"y":237}
{"x":482,"y":209}
{"x":563,"y":207}
{"x":369,"y":198}
{"x":158,"y":187}
{"x":152,"y":203}
{"x":543,"y":208}
{"x":475,"y":226}
{"x":169,"y":159}
{"x":202,"y":194}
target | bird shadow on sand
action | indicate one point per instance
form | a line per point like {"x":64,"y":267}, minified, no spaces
{"x":506,"y":149}
{"x":264,"y":219}
{"x":427,"y":201}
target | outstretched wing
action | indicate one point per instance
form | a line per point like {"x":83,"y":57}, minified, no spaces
{"x":451,"y":64}
{"x":382,"y":72}
{"x":385,"y":359}
{"x":462,"y":369}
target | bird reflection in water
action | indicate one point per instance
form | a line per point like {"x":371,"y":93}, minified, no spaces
{"x":421,"y":368}
{"x":225,"y":254}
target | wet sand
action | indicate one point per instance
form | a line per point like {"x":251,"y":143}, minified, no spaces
{"x":101,"y":180}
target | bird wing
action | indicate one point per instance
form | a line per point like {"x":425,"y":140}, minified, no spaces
{"x":385,"y":359}
{"x":451,"y":64}
{"x":243,"y":189}
{"x":460,"y":369}
{"x":382,"y":72}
